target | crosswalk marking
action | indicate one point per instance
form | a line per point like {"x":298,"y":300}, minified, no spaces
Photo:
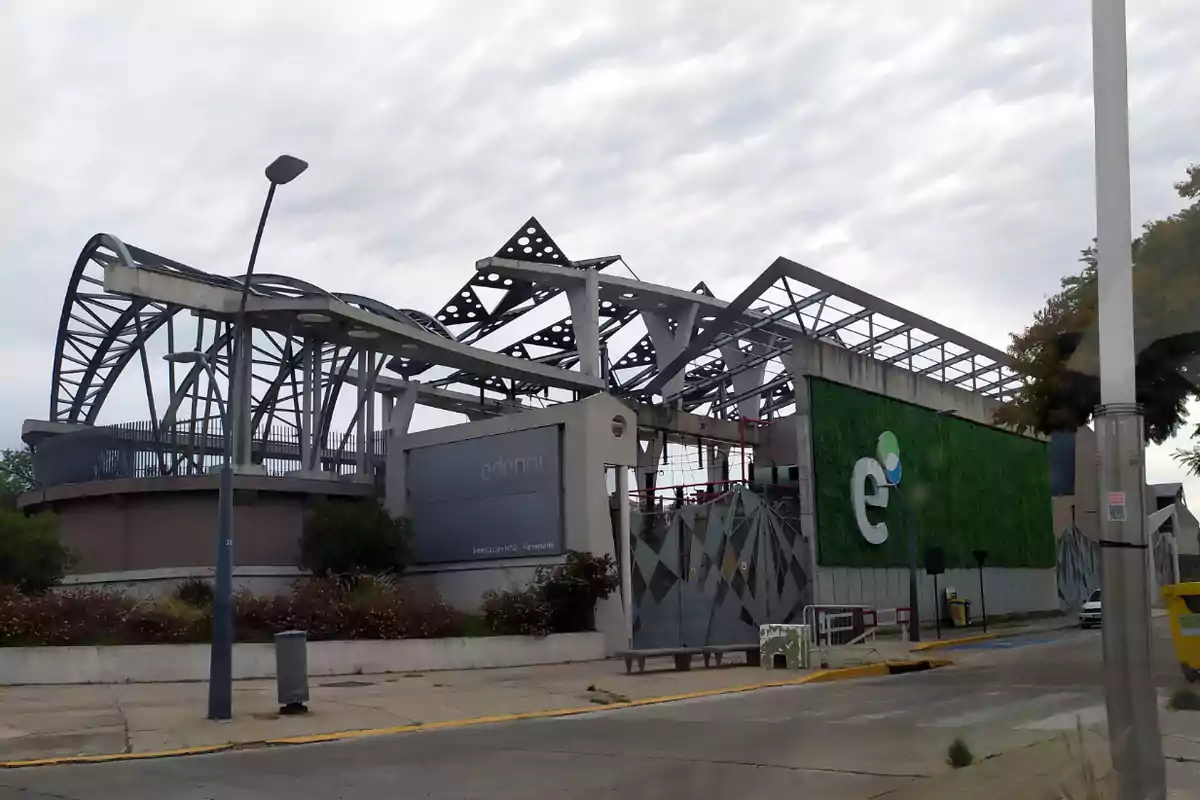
{"x":1068,"y":720}
{"x":860,"y":718}
{"x":989,"y":712}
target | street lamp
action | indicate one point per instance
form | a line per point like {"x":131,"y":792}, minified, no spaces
{"x":220,"y":659}
{"x":283,"y":169}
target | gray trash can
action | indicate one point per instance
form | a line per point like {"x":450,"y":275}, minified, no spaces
{"x":291,"y":671}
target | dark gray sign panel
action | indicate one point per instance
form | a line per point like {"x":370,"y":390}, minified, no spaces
{"x":492,"y":497}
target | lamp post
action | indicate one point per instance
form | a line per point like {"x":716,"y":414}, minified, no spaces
{"x":1130,"y":696}
{"x":980,"y":558}
{"x":283,"y":169}
{"x":220,"y":667}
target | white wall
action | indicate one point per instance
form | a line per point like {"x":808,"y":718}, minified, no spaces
{"x":1008,"y":591}
{"x":158,"y":582}
{"x":189,"y":662}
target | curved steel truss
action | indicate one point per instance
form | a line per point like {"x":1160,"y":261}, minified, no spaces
{"x":657,"y":343}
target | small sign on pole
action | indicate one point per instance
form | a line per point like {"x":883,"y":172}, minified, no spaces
{"x":1116,"y":506}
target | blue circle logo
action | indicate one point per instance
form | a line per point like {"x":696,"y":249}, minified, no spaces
{"x":887,"y":452}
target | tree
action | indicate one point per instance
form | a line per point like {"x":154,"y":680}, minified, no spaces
{"x":350,"y":539}
{"x":1059,"y":351}
{"x":31,"y":556}
{"x":16,"y":475}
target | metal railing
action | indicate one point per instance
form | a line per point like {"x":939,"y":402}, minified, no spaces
{"x":143,"y":450}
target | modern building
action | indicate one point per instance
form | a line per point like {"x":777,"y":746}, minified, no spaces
{"x":742,"y":459}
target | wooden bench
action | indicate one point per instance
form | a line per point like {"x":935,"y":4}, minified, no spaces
{"x":683,"y":655}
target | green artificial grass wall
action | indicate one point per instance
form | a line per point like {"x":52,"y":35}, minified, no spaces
{"x":970,"y":486}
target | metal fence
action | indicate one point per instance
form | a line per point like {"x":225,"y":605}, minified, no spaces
{"x":143,"y":450}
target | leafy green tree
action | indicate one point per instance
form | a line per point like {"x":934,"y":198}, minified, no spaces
{"x":1059,"y":351}
{"x":16,"y":475}
{"x":350,"y":539}
{"x":31,"y":557}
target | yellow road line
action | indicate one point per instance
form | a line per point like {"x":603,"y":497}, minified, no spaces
{"x":820,"y":676}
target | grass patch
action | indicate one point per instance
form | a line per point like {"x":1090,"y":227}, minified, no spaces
{"x":958,"y":755}
{"x":1184,"y":699}
{"x":1089,"y":785}
{"x":474,"y":625}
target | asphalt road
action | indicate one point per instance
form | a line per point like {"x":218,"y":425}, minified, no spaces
{"x":842,"y":740}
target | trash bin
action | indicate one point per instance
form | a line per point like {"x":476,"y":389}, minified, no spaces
{"x":960,"y":613}
{"x":1183,"y":606}
{"x":291,"y":671}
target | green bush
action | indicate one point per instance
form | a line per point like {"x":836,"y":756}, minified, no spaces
{"x":194,"y":592}
{"x":168,"y":620}
{"x":31,"y":557}
{"x":572,"y":589}
{"x":354,"y":538}
{"x":80,"y":616}
{"x":516,"y":612}
{"x":325,"y":608}
{"x":560,"y":599}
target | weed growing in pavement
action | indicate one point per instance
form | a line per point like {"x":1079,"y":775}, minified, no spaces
{"x":959,"y":755}
{"x":1089,"y":784}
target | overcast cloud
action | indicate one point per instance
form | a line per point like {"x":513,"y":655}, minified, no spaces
{"x":936,"y":153}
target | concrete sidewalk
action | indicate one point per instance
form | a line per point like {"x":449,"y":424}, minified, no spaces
{"x":43,"y":722}
{"x":1071,"y":765}
{"x":54,"y":722}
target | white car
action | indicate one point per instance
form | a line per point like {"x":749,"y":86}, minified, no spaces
{"x":1091,"y":613}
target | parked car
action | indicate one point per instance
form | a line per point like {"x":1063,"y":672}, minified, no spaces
{"x":1091,"y":613}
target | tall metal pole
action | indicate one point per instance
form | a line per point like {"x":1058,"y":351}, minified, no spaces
{"x":220,"y":657}
{"x":237,"y":441}
{"x":1128,"y":663}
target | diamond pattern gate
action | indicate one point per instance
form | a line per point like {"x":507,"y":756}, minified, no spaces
{"x":711,"y":573}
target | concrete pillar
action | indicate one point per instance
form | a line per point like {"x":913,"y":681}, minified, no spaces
{"x":370,"y":409}
{"x":717,"y":455}
{"x":797,"y":360}
{"x":649,"y":454}
{"x":625,"y":551}
{"x":239,"y":405}
{"x":668,"y":343}
{"x":362,"y":395}
{"x":306,"y":406}
{"x":585,"y":319}
{"x":314,"y":403}
{"x":746,"y":380}
{"x":399,"y":411}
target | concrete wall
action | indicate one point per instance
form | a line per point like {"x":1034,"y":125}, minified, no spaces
{"x":787,"y":441}
{"x":1008,"y":591}
{"x":189,"y":662}
{"x":1084,"y":502}
{"x":147,"y":583}
{"x":162,"y":523}
{"x":588,"y":445}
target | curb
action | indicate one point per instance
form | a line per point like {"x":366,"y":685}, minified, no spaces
{"x":983,"y":637}
{"x":820,"y":676}
{"x":980,"y":637}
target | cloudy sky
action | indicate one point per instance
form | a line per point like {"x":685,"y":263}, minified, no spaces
{"x":936,"y":153}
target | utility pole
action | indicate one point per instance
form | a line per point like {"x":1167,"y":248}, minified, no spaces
{"x":1130,"y":696}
